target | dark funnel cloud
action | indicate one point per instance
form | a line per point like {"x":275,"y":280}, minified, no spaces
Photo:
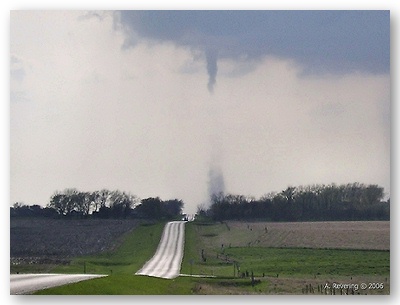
{"x":329,"y":41}
{"x":212,"y":69}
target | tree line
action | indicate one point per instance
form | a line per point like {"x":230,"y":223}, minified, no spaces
{"x":72,"y":203}
{"x":353,"y":201}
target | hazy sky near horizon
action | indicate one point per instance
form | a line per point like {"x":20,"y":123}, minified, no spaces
{"x":148,"y":102}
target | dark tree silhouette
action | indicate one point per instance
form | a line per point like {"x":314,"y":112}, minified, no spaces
{"x":317,"y":202}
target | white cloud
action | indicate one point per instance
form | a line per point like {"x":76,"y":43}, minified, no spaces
{"x":284,"y":129}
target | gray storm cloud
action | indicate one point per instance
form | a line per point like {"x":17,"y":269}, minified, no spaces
{"x":361,"y":39}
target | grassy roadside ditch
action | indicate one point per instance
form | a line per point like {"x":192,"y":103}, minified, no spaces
{"x":137,"y":247}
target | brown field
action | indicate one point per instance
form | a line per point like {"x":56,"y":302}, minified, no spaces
{"x":369,"y":235}
{"x":45,"y":238}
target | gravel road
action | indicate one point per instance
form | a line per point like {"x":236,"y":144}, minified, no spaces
{"x":29,"y":283}
{"x":166,"y":262}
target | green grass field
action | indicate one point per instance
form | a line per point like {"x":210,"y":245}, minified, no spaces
{"x":276,"y":270}
{"x":124,"y":284}
{"x":137,"y":248}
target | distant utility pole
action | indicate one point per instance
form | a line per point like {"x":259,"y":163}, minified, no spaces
{"x":191,"y":266}
{"x":236,"y":265}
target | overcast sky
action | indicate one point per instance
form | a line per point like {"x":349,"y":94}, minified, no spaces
{"x":161,"y":103}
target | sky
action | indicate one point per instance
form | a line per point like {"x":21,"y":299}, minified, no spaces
{"x":178,"y":104}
